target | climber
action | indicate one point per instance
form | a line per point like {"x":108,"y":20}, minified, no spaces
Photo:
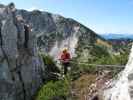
{"x":65,"y":59}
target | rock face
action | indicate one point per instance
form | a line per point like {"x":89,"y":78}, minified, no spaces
{"x":55,"y":32}
{"x":20,"y":66}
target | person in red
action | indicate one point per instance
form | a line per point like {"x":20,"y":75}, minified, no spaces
{"x":65,"y":59}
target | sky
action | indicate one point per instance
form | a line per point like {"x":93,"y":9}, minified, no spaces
{"x":102,"y":16}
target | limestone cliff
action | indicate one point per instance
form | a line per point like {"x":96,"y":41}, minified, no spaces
{"x":20,"y":66}
{"x":55,"y":32}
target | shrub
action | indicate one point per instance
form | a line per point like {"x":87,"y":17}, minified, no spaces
{"x":51,"y":70}
{"x":49,"y":62}
{"x":57,"y":89}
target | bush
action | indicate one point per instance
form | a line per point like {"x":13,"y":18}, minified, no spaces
{"x":57,"y":89}
{"x":51,"y":70}
{"x":49,"y":62}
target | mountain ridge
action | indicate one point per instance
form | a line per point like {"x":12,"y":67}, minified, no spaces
{"x":117,"y":36}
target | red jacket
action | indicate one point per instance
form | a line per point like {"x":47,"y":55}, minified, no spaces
{"x":65,"y":57}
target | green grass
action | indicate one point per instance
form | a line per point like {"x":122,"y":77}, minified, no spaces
{"x":53,"y":89}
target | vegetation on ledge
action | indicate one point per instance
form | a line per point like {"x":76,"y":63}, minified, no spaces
{"x":54,"y":90}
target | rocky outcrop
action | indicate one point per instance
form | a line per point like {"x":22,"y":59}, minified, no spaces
{"x":20,"y":66}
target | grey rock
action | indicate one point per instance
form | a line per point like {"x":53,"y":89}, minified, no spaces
{"x":20,"y":68}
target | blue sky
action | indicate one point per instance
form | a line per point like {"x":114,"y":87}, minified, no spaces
{"x":102,"y":16}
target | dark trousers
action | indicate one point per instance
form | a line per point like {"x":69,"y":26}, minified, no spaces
{"x":65,"y":67}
